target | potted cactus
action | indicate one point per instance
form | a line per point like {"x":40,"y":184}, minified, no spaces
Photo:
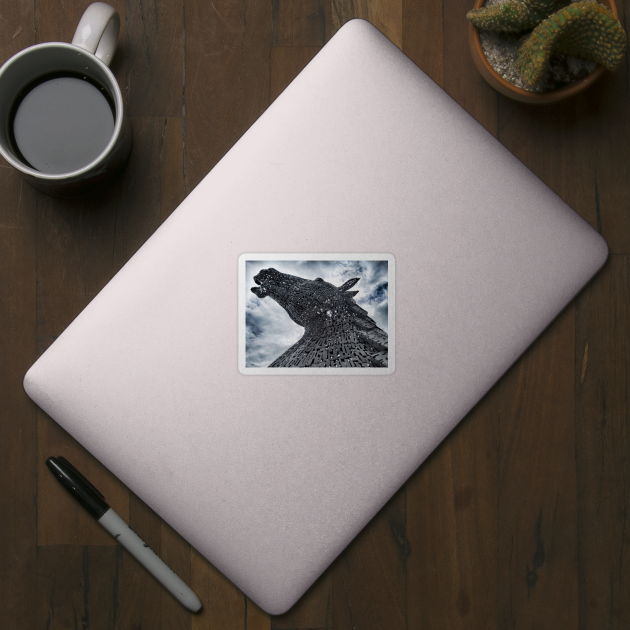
{"x":558,"y":49}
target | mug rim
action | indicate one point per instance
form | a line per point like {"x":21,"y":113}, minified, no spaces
{"x":118,"y":122}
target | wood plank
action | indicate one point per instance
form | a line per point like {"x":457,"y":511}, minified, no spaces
{"x":537,"y":537}
{"x":98,"y":587}
{"x":226,"y":78}
{"x":17,"y":28}
{"x":285,"y":64}
{"x":300,"y":22}
{"x":18,"y":415}
{"x":369,"y":577}
{"x":386,"y":15}
{"x":18,"y":423}
{"x":558,"y":147}
{"x":423,"y":36}
{"x":603,"y":442}
{"x":452,"y":527}
{"x":560,"y":150}
{"x":61,"y":520}
{"x":76,"y":587}
{"x":608,"y":126}
{"x":312,"y":610}
{"x":255,"y":617}
{"x":171,"y":158}
{"x":574,"y":149}
{"x":152,"y":185}
{"x":154,"y":57}
{"x":74,"y":248}
{"x":461,"y":78}
{"x":224,"y":606}
{"x":57,"y":23}
{"x":565,"y":147}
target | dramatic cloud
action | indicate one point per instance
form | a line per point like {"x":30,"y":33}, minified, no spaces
{"x":269,"y":329}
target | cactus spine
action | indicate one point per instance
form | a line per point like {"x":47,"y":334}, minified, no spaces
{"x":513,"y":16}
{"x":583,"y":29}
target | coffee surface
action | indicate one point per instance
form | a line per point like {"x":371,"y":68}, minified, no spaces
{"x":62,"y":124}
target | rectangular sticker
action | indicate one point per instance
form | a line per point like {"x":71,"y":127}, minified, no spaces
{"x":316,"y":314}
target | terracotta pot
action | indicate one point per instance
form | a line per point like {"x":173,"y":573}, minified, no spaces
{"x":518,"y":94}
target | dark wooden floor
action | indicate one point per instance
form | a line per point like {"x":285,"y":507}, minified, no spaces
{"x":518,"y":520}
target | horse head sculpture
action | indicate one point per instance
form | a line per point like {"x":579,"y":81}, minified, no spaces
{"x":337,"y":331}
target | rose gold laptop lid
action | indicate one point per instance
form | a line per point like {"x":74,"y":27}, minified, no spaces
{"x":362,"y":168}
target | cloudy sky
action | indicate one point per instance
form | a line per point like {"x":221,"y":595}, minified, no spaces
{"x":269,"y":329}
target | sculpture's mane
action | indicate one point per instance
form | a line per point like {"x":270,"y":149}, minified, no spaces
{"x":359,"y":314}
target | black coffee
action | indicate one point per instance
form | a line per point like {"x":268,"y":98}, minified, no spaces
{"x":61,"y":123}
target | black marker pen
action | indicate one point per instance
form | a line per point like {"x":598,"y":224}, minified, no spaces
{"x":94,"y":502}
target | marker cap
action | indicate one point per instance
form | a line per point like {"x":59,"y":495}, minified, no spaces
{"x":78,"y":486}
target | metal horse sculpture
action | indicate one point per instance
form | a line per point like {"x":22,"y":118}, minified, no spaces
{"x":337,"y":331}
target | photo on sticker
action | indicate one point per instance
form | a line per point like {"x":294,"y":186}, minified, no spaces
{"x":316,"y":314}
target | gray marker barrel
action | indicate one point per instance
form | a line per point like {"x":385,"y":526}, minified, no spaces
{"x":149,"y":559}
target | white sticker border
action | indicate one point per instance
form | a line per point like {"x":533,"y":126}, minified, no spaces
{"x":296,"y":371}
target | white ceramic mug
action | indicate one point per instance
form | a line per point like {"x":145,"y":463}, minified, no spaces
{"x":88,"y":57}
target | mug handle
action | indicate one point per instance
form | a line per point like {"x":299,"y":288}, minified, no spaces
{"x":98,"y":30}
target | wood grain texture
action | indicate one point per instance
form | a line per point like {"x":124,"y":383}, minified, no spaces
{"x":17,"y":28}
{"x":602,"y":380}
{"x":559,"y":148}
{"x":422,"y":36}
{"x":537,"y":510}
{"x":609,"y":134}
{"x":76,"y":587}
{"x":369,"y":577}
{"x":519,"y":519}
{"x":300,"y":23}
{"x":313,"y":610}
{"x":60,"y":520}
{"x":285,"y":64}
{"x":386,"y":15}
{"x":226,"y":78}
{"x":461,"y":79}
{"x":154,"y":57}
{"x":576,"y":149}
{"x":224,"y":606}
{"x":18,"y":416}
{"x":452,"y":515}
{"x":151,"y":187}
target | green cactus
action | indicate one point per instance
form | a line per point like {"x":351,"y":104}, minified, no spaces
{"x":584,"y":29}
{"x":513,"y":16}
